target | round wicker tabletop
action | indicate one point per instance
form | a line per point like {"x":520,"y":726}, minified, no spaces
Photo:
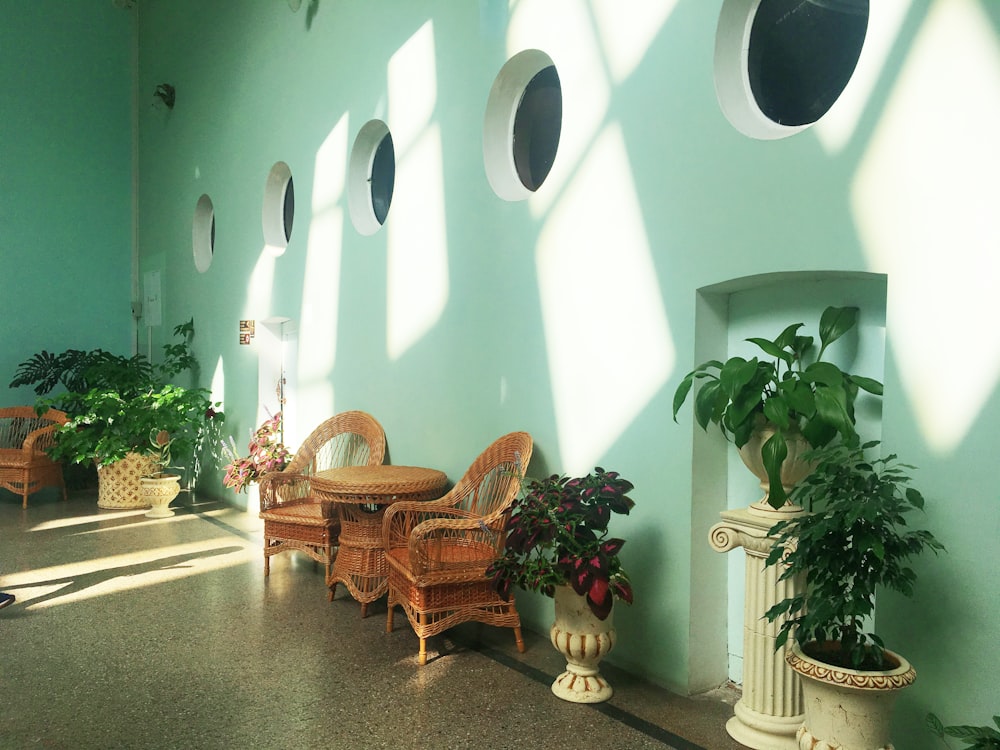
{"x":379,"y":484}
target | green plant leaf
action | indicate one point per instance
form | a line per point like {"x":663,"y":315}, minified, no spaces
{"x":735,"y":374}
{"x":705,"y":402}
{"x":834,"y":323}
{"x":934,"y":724}
{"x":772,"y":349}
{"x":787,"y":337}
{"x":773,"y":452}
{"x":867,"y":384}
{"x":681,"y":394}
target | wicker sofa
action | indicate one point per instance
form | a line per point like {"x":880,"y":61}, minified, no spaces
{"x":25,"y":467}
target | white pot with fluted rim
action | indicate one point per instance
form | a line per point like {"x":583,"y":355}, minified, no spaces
{"x":847,"y":709}
{"x":584,"y":639}
{"x":158,"y":492}
{"x":793,"y":468}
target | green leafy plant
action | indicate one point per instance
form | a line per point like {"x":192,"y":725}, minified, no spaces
{"x":977,"y":738}
{"x":160,"y":455}
{"x":558,"y":534}
{"x":854,"y":540}
{"x":816,"y":399}
{"x":121,"y":403}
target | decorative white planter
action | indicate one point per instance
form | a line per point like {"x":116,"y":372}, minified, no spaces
{"x":584,"y":640}
{"x":793,"y":469}
{"x":158,"y":492}
{"x":847,"y":709}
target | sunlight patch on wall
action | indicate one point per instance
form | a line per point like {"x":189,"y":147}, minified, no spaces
{"x":260,"y":287}
{"x":218,"y":386}
{"x":564,"y":30}
{"x":924,"y":200}
{"x":625,"y":37}
{"x":417,"y":263}
{"x":609,"y":345}
{"x":321,"y":281}
{"x":836,"y":127}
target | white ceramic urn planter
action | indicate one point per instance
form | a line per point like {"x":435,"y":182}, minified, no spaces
{"x":793,"y":469}
{"x":584,"y":640}
{"x":158,"y":492}
{"x":847,"y":709}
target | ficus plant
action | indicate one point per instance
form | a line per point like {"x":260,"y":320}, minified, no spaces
{"x":786,"y":387}
{"x":558,"y":534}
{"x":853,"y":541}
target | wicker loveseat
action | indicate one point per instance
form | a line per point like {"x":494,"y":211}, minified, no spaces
{"x":25,"y":467}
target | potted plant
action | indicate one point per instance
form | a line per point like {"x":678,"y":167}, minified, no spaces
{"x":854,"y":540}
{"x":158,"y":488}
{"x":780,"y":399}
{"x":116,"y":403}
{"x":267,"y":453}
{"x":976,"y":738}
{"x":557,"y":544}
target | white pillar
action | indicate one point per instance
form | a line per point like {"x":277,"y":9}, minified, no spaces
{"x":771,"y":709}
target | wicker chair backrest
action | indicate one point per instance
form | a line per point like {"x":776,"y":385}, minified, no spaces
{"x":351,"y":438}
{"x":17,"y":422}
{"x":492,"y":482}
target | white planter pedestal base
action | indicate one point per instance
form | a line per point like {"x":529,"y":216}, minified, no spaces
{"x":771,"y":710}
{"x":584,"y":640}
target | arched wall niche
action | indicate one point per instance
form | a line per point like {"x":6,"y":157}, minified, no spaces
{"x":726,"y":314}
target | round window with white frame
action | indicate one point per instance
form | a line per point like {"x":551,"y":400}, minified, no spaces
{"x":780,"y":65}
{"x":522,"y":125}
{"x":203,"y":233}
{"x":279,"y":207}
{"x":371,"y":177}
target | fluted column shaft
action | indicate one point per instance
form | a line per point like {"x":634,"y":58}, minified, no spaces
{"x":771,"y":709}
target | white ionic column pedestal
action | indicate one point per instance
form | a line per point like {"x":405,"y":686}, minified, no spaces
{"x":771,"y":709}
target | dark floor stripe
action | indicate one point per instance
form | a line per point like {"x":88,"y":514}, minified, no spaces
{"x":657,"y":733}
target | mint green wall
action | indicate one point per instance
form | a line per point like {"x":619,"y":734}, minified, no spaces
{"x":669,"y":198}
{"x":65,"y":180}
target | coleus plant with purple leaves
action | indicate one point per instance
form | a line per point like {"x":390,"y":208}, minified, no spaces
{"x":558,"y":534}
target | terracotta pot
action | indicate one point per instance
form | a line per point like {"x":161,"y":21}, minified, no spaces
{"x":847,"y":709}
{"x":584,"y":640}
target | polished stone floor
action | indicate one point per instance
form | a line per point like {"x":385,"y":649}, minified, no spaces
{"x":130,"y":632}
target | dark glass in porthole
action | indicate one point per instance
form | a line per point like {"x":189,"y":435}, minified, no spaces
{"x":211,"y":246}
{"x":383,"y":177}
{"x":802,"y":54}
{"x":537,"y":124}
{"x":289,"y":209}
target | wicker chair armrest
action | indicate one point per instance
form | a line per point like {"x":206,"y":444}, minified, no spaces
{"x":279,"y":488}
{"x":400,"y":519}
{"x":433,"y":542}
{"x":40,"y":439}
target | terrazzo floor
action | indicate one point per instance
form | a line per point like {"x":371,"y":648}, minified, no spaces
{"x":130,"y":632}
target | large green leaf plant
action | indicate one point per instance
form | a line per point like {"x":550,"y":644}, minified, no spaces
{"x":785,"y":388}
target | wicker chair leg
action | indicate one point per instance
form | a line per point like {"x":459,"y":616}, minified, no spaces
{"x":267,"y":561}
{"x":24,"y":486}
{"x":333,"y":590}
{"x":519,"y":639}
{"x":388,"y":619}
{"x":422,"y":656}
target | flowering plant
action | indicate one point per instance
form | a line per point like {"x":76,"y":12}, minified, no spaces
{"x":557,"y":534}
{"x":267,"y":453}
{"x":160,"y":454}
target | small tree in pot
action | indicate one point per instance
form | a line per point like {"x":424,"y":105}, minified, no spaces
{"x":854,"y":541}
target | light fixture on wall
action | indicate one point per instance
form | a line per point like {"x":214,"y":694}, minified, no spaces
{"x":166,"y":94}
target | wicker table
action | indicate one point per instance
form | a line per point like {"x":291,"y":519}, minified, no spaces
{"x":361,"y":494}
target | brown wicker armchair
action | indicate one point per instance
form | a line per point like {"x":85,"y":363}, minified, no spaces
{"x":293,"y":517}
{"x":438,"y":550}
{"x":25,"y":467}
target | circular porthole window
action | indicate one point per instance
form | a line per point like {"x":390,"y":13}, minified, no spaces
{"x":522,"y":125}
{"x":371,"y":177}
{"x":203,"y":233}
{"x":279,"y":206}
{"x":780,"y":65}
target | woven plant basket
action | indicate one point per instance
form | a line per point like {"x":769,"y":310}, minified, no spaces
{"x":118,"y":483}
